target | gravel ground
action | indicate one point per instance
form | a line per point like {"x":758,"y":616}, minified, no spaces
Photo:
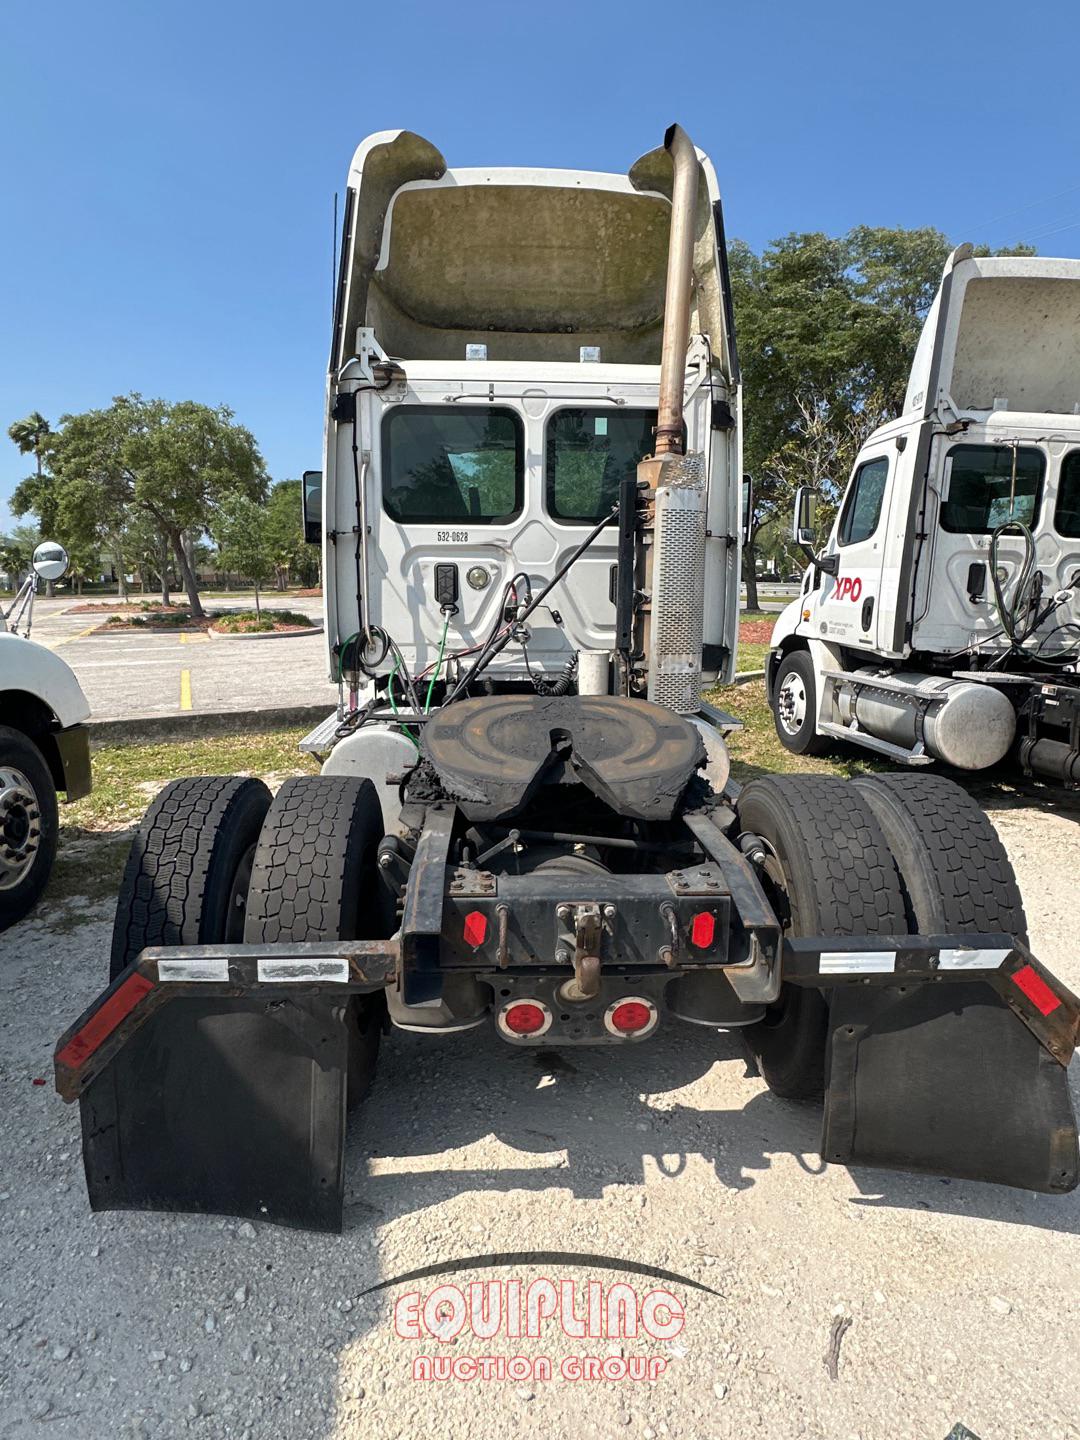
{"x":963,"y":1299}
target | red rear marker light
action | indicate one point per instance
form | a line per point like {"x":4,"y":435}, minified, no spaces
{"x":703,"y":929}
{"x":630,"y":1016}
{"x":104,"y":1021}
{"x":526,"y":1018}
{"x":633,"y":1016}
{"x":475,"y":928}
{"x":1036,"y":989}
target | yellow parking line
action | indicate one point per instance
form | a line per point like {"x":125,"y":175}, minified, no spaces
{"x":192,"y":637}
{"x":55,"y":644}
{"x":185,"y":689}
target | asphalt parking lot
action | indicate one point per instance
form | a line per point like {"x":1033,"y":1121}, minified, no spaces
{"x":131,"y":674}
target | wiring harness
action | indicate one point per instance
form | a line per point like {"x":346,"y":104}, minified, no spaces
{"x":1022,"y":613}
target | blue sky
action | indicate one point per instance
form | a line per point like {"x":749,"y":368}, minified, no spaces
{"x":168,"y":170}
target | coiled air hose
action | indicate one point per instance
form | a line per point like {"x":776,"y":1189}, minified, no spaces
{"x":1025,"y":600}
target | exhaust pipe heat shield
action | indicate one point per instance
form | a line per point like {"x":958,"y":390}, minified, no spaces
{"x":947,"y":1080}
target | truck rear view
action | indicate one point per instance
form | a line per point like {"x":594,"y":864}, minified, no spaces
{"x":525,"y":818}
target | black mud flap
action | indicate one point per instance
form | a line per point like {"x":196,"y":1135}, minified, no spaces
{"x":945,"y":1079}
{"x":224,"y":1105}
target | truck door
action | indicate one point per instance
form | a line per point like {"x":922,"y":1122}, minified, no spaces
{"x":980,"y":485}
{"x":850,"y":600}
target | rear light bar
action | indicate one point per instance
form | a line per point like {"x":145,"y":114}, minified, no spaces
{"x":231,"y":971}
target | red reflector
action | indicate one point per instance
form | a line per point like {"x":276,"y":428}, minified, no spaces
{"x":475,"y":928}
{"x":104,"y":1021}
{"x":703,"y":929}
{"x":1036,"y":990}
{"x":524,"y":1019}
{"x":631,"y":1015}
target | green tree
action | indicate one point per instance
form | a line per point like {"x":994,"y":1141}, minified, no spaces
{"x":244,"y":532}
{"x":827,"y":329}
{"x":171,"y":464}
{"x":17,"y":552}
{"x":285,"y":530}
{"x":32,"y":436}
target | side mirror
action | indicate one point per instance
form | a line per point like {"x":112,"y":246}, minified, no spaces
{"x":747,"y":507}
{"x":802,"y":530}
{"x":313,"y":516}
{"x":50,"y":561}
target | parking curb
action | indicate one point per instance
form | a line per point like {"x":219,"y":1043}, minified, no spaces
{"x":262,"y":634}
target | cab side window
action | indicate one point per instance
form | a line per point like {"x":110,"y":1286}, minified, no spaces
{"x":862,"y":509}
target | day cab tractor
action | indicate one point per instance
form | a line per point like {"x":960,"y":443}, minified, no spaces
{"x":529,"y":512}
{"x":941,"y":622}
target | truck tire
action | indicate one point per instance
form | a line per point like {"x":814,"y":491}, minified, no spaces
{"x":28,"y":825}
{"x":954,"y":871}
{"x":315,"y":877}
{"x":828,"y":872}
{"x":794,"y":706}
{"x":186,"y":877}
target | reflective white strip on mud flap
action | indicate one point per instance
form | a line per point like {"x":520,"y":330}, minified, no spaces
{"x":186,"y":970}
{"x":279,"y":972}
{"x":972,"y":959}
{"x":857,"y":962}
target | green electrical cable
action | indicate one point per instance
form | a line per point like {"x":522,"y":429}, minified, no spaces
{"x":393,"y":703}
{"x":438,"y":666}
{"x":341,"y":652}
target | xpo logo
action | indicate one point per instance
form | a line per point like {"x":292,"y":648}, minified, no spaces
{"x":848,"y":587}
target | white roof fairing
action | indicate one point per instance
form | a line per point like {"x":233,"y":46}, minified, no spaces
{"x":1006,"y":328}
{"x":534,"y":263}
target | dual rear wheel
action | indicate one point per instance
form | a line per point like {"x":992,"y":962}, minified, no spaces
{"x":882,"y":855}
{"x":217,"y":861}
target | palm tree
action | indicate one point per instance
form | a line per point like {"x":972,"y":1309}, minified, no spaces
{"x":31,"y":436}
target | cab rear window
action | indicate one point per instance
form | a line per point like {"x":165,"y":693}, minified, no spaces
{"x":452,"y":462}
{"x":1067,"y":509}
{"x":588,"y":453}
{"x":986,"y":488}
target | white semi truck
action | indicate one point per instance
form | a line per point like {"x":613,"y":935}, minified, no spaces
{"x":44,"y":745}
{"x":530,"y":518}
{"x":941,"y":620}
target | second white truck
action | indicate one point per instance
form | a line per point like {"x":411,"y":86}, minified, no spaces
{"x":941,"y":621}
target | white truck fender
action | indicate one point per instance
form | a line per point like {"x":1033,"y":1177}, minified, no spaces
{"x":26,"y":665}
{"x":787,"y":622}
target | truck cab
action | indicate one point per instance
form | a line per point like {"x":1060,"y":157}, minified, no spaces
{"x":951,"y":573}
{"x":493,"y":378}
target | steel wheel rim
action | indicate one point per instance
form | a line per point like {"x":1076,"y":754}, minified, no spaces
{"x":20,"y":827}
{"x":237,"y":905}
{"x":791,"y":703}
